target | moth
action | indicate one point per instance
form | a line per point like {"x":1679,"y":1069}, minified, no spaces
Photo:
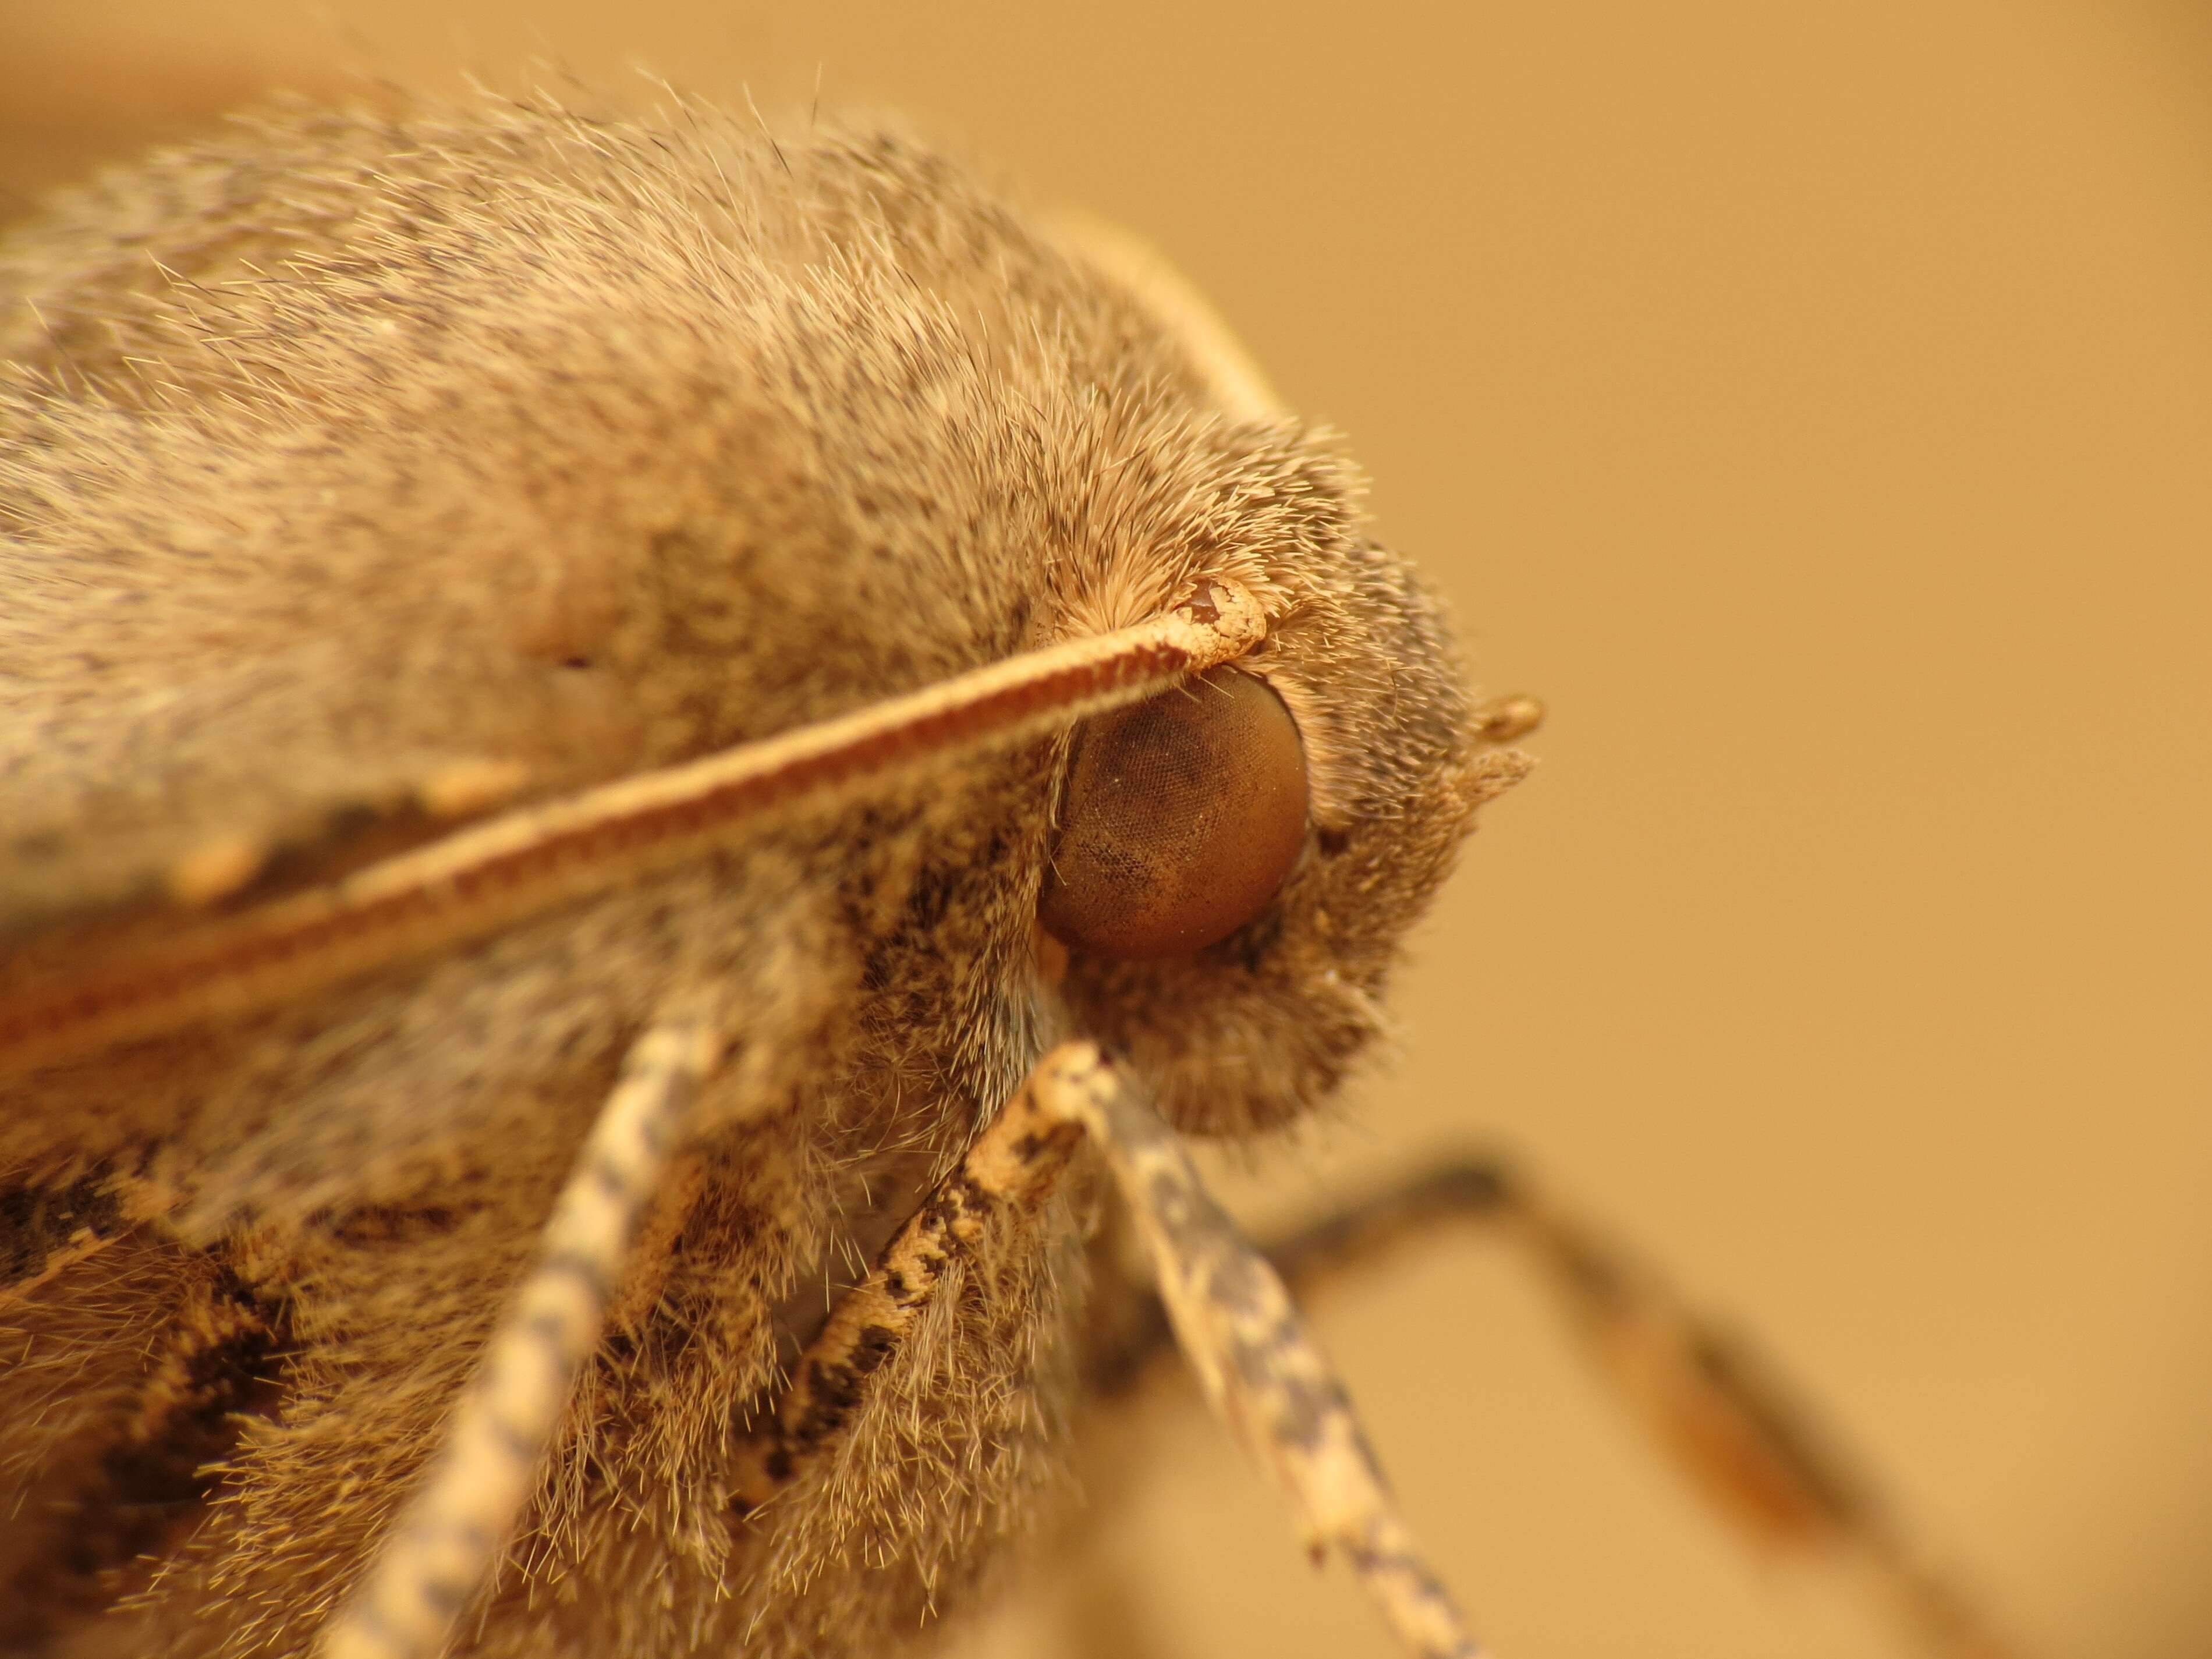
{"x":646,"y":771}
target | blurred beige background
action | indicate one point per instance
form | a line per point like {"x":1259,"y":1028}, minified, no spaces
{"x":1814,"y":404}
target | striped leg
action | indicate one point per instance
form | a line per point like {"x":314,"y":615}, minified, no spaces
{"x":1233,"y":1315}
{"x":443,"y":1544}
{"x":1003,"y":1180}
{"x":1265,"y":1375}
{"x":1739,"y":1431}
{"x":1709,"y":1399}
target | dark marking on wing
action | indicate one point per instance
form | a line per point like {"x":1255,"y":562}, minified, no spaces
{"x":42,"y":1225}
{"x":94,"y":1515}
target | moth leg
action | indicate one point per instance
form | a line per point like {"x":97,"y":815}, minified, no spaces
{"x":1745,"y":1439}
{"x":1003,"y":1180}
{"x":1744,"y":1435}
{"x":1235,"y":1321}
{"x":442,"y":1544}
{"x":1230,"y":1310}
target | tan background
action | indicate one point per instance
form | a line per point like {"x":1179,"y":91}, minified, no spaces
{"x":1815,"y":404}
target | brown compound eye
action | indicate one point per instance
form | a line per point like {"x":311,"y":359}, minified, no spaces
{"x":1184,"y":816}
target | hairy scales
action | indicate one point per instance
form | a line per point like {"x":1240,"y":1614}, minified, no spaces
{"x":361,"y":475}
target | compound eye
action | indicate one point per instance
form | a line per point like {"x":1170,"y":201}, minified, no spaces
{"x":1184,"y":816}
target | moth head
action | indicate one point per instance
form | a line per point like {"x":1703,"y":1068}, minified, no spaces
{"x":874,"y":436}
{"x":1235,"y":864}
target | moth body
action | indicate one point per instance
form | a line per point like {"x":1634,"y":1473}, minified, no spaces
{"x":365,"y":477}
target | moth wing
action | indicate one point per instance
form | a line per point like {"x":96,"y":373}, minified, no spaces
{"x":206,"y":695}
{"x":170,"y":784}
{"x":170,"y":1395}
{"x":1183,"y":313}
